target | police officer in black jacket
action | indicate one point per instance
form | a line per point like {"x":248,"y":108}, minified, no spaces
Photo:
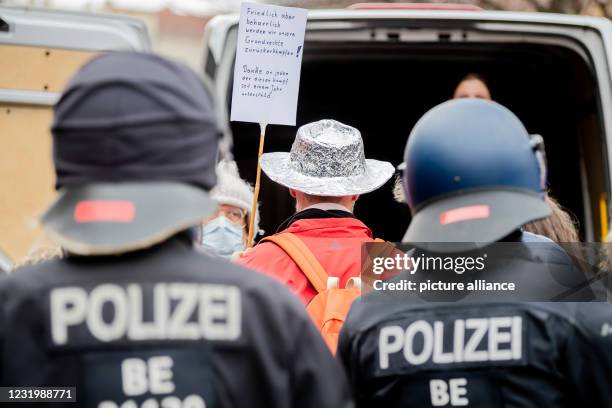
{"x":133,"y":316}
{"x":472,"y":178}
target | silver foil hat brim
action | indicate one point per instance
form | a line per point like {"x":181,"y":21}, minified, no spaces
{"x":277,"y":167}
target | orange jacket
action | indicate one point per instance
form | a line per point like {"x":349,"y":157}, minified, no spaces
{"x":336,"y":242}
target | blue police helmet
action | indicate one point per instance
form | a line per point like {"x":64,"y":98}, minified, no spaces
{"x":471,"y":174}
{"x":135,"y":144}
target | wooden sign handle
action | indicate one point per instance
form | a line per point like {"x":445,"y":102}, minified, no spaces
{"x":262,"y":137}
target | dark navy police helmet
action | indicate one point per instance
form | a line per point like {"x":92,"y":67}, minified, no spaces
{"x":471,"y":174}
{"x":135,"y":143}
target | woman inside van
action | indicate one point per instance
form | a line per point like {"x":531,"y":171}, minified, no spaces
{"x":472,"y":86}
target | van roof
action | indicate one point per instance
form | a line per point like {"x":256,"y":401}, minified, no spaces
{"x":477,"y":15}
{"x":74,"y":29}
{"x":486,"y":15}
{"x":218,"y":27}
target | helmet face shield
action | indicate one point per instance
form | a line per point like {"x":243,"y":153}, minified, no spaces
{"x":114,"y":218}
{"x":478,"y":216}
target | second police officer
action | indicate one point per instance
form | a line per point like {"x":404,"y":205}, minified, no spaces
{"x":472,"y":177}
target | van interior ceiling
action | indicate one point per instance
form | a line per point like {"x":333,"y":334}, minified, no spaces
{"x":382,"y":88}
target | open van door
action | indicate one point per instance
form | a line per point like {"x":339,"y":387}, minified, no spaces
{"x":39,"y":51}
{"x":380,"y":70}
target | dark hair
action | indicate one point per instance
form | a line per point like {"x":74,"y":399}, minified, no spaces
{"x":473,"y":76}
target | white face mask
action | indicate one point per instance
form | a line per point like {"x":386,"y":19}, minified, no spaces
{"x":222,"y":237}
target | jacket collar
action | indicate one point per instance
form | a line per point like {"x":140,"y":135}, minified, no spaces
{"x":333,"y":220}
{"x":313,"y":213}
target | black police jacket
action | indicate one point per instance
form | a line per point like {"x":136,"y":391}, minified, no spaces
{"x":401,"y":353}
{"x":163,"y":327}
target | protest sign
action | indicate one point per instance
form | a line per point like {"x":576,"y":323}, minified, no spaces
{"x":267,"y":72}
{"x":268,"y":62}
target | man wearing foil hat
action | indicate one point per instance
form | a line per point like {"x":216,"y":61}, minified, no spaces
{"x":472,"y":177}
{"x":325,"y":172}
{"x":133,"y":315}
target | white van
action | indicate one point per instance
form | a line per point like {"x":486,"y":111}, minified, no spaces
{"x":380,"y":69}
{"x":39,"y":51}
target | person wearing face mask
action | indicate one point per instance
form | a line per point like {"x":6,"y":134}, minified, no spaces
{"x":226,"y":232}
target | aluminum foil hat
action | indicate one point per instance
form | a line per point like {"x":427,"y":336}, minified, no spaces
{"x":327,"y":159}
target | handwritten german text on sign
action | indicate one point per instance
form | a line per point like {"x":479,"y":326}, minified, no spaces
{"x":268,"y":62}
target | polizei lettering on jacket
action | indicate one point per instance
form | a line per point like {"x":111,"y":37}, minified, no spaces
{"x":460,"y":341}
{"x":175,"y":311}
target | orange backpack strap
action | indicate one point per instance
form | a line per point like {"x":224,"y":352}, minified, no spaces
{"x":303,"y":258}
{"x":378,"y":251}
